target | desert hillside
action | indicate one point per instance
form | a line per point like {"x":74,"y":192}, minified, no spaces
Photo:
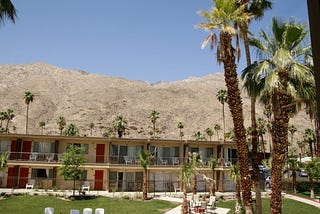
{"x":84,"y":98}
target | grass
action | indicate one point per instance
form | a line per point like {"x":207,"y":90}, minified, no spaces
{"x":26,"y":204}
{"x":288,"y":206}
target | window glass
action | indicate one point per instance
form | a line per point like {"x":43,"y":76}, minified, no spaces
{"x":4,"y":145}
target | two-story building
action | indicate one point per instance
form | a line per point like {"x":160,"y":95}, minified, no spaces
{"x":111,"y":164}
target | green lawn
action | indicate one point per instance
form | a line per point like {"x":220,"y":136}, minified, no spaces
{"x":289,"y":206}
{"x":26,"y":204}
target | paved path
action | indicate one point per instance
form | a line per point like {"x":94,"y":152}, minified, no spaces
{"x":315,"y":203}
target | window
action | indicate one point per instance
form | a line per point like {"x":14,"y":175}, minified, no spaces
{"x":42,"y":173}
{"x":4,"y":145}
{"x":43,"y":147}
{"x":84,"y":146}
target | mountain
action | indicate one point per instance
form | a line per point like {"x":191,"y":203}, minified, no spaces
{"x":84,"y":98}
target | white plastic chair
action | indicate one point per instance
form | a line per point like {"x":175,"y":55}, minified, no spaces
{"x":87,"y":211}
{"x":49,"y":210}
{"x":127,"y":159}
{"x":86,"y":186}
{"x":73,"y":211}
{"x":99,"y":211}
{"x":33,"y":156}
{"x":176,"y":187}
{"x":30,"y":184}
{"x":50,"y":157}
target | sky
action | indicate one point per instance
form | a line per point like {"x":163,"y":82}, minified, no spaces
{"x":147,"y":40}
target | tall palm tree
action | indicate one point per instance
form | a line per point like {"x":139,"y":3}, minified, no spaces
{"x":234,"y":174}
{"x":144,"y":162}
{"x":61,"y":123}
{"x":284,"y":83}
{"x":7,"y":11}
{"x":222,"y":18}
{"x":28,"y":98}
{"x":223,"y":97}
{"x":255,"y":9}
{"x":180,"y":127}
{"x":217,"y":128}
{"x":195,"y":160}
{"x":120,"y":125}
{"x":154,"y":116}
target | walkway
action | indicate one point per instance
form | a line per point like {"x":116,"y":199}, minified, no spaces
{"x":315,"y":203}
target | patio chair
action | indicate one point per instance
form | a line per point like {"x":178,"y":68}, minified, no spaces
{"x":211,"y":206}
{"x":49,"y":210}
{"x":33,"y":156}
{"x":50,"y":157}
{"x":73,"y":211}
{"x":99,"y":211}
{"x":176,"y":187}
{"x":87,"y":211}
{"x":175,"y":160}
{"x":163,"y":161}
{"x":127,"y":159}
{"x":30,"y":184}
{"x":86,"y":186}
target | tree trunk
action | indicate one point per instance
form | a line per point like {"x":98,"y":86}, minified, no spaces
{"x":280,"y":143}
{"x":294,"y":181}
{"x":235,"y":105}
{"x":145,"y":185}
{"x":27,"y":118}
{"x":74,"y":187}
{"x":213,"y":185}
{"x":311,"y":186}
{"x":194,"y":190}
{"x":184,"y":208}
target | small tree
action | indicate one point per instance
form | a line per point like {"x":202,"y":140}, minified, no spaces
{"x":42,"y":124}
{"x":154,"y":116}
{"x":144,"y":162}
{"x":71,"y":161}
{"x":91,"y":126}
{"x":61,"y":123}
{"x":180,"y":127}
{"x":234,"y":174}
{"x":120,"y":125}
{"x":72,"y":130}
{"x":209,"y":132}
{"x":217,"y":128}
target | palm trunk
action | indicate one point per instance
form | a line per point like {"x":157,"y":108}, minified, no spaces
{"x":224,"y":123}
{"x":294,"y":181}
{"x":235,"y":105}
{"x":194,"y":190}
{"x":27,"y":118}
{"x":184,"y":209}
{"x":238,"y":194}
{"x":311,"y":186}
{"x":280,"y":143}
{"x":213,"y":185}
{"x":145,"y":185}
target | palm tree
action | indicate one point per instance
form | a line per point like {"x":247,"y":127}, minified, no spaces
{"x":198,"y":136}
{"x":154,"y":116}
{"x":7,"y":11}
{"x":293,"y":166}
{"x":42,"y":124}
{"x":282,"y":79}
{"x":144,"y":162}
{"x":209,"y":132}
{"x":261,"y":130}
{"x":3,"y":116}
{"x":234,"y":174}
{"x":195,"y":160}
{"x":310,"y":138}
{"x":213,"y":164}
{"x":61,"y":123}
{"x":223,"y":98}
{"x":313,"y":170}
{"x":187,"y":170}
{"x":28,"y":98}
{"x":9,"y":116}
{"x":120,"y":125}
{"x":217,"y":128}
{"x":292,"y":129}
{"x":222,"y":18}
{"x":91,"y":126}
{"x":180,"y":127}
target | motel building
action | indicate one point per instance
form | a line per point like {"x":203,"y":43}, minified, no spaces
{"x":111,"y":164}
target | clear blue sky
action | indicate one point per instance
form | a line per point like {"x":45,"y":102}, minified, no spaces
{"x":149,"y":40}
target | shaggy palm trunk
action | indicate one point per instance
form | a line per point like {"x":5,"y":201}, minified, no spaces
{"x":213,"y":185}
{"x":238,"y":193}
{"x":184,"y":209}
{"x":281,"y":112}
{"x":194,"y":190}
{"x":235,"y":105}
{"x":294,"y":181}
{"x":145,"y":185}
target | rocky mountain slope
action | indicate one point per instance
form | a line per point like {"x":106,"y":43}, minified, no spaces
{"x":83,"y":98}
